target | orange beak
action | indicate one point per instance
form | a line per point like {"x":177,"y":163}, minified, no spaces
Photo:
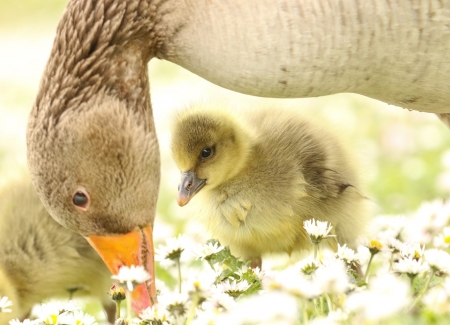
{"x":133,"y":248}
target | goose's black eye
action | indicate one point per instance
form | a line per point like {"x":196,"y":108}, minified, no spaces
{"x":206,"y":153}
{"x":81,"y":199}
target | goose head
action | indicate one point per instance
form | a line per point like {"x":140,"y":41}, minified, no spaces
{"x":95,"y":171}
{"x":210,"y":147}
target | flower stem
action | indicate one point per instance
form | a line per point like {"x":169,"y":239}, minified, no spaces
{"x":424,"y":290}
{"x":316,"y":302}
{"x":316,"y":249}
{"x":177,"y":319}
{"x":129,"y":317}
{"x":211,"y":264}
{"x":305,"y":314}
{"x":179,"y":274}
{"x":368,"y":267}
{"x":329,"y":303}
{"x":118,"y":309}
{"x":391,"y":261}
{"x":191,"y":315}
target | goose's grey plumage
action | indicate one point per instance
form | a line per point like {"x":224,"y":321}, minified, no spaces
{"x":257,"y":176}
{"x":40,"y":259}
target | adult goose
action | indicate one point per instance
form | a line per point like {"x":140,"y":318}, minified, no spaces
{"x":40,"y":259}
{"x":92,"y":148}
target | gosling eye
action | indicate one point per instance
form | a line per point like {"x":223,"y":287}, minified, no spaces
{"x":81,"y":199}
{"x":206,"y":153}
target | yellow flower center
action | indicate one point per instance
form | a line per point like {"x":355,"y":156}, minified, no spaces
{"x":196,"y":284}
{"x":274,"y":286}
{"x":51,"y":319}
{"x":376,"y":244}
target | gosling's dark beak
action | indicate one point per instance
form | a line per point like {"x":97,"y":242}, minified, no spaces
{"x":189,"y":186}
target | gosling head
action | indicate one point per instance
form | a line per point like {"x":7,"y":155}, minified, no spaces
{"x":210,"y":147}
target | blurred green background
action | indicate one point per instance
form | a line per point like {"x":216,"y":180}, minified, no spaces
{"x":405,"y":155}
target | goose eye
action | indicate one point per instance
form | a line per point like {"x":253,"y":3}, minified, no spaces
{"x":206,"y":153}
{"x":81,"y":199}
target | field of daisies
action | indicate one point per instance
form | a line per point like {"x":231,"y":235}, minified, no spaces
{"x":398,"y":274}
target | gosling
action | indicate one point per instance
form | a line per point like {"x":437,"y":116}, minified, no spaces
{"x":256,"y":175}
{"x":40,"y":259}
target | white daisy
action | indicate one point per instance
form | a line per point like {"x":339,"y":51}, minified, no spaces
{"x":292,"y":281}
{"x":393,"y":244}
{"x":438,"y":298}
{"x":200,"y":283}
{"x":24,"y":322}
{"x":387,"y":226}
{"x":338,"y":316}
{"x":411,"y":266}
{"x":218,"y":301}
{"x":308,"y":265}
{"x":80,"y":318}
{"x":132,"y":276}
{"x":206,"y":317}
{"x":363,"y":254}
{"x":438,"y":260}
{"x":317,"y":230}
{"x":161,"y":285}
{"x":386,"y":296}
{"x":429,"y":220}
{"x":269,"y":308}
{"x":4,"y":304}
{"x":331,"y":277}
{"x":254,"y":271}
{"x":55,"y":319}
{"x":168,"y":254}
{"x":260,"y":274}
{"x":348,"y":255}
{"x":374,"y":246}
{"x":206,"y":251}
{"x":234,"y":288}
{"x":175,"y":303}
{"x":157,"y":314}
{"x":54,"y":312}
{"x":442,"y":240}
{"x":325,"y":321}
{"x":412,"y":250}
